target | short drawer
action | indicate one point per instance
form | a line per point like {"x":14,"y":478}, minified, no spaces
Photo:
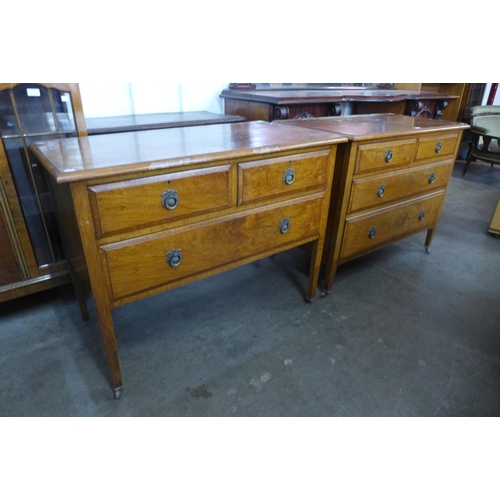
{"x":152,"y":261}
{"x":365,"y":233}
{"x":381,"y":189}
{"x":436,"y":146}
{"x":147,"y":201}
{"x":286,"y":175}
{"x":385,"y":155}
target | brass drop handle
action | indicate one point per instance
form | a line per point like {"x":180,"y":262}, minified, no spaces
{"x":421,"y":215}
{"x":289,"y":176}
{"x":438,"y":146}
{"x":174,"y":257}
{"x":388,"y":155}
{"x":432,"y":177}
{"x":381,"y":190}
{"x":285,"y":225}
{"x":170,"y":199}
{"x":371,"y":233}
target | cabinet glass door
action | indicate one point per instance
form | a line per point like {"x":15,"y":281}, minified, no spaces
{"x":30,"y":113}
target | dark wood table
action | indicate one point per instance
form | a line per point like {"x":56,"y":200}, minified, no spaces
{"x":150,"y":121}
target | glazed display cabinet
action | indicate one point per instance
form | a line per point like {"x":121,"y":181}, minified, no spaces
{"x":32,"y":258}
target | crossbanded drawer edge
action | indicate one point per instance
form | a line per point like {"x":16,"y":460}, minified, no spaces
{"x":265,"y":179}
{"x":398,"y":184}
{"x":134,"y":203}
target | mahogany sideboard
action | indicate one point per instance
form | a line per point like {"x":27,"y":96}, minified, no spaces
{"x":149,"y":121}
{"x":144,"y":212}
{"x":284,"y":104}
{"x":391,"y":181}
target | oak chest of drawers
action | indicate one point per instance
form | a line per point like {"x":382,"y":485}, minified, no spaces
{"x":391,"y":180}
{"x":144,"y":212}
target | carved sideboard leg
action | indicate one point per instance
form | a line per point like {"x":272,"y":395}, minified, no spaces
{"x":334,"y":109}
{"x":418,"y":108}
{"x":440,"y":106}
{"x":281,"y":113}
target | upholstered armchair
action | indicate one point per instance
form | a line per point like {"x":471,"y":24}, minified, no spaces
{"x":485,"y":135}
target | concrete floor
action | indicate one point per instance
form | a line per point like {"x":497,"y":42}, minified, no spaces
{"x":403,"y":333}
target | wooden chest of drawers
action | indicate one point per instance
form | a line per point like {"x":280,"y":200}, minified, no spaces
{"x":391,"y":180}
{"x":144,"y":212}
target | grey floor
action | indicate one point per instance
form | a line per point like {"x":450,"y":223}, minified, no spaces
{"x":403,"y":333}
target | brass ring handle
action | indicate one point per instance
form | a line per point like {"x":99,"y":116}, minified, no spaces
{"x":174,"y":257}
{"x":285,"y":225}
{"x":381,"y":190}
{"x":170,"y":199}
{"x":421,"y":215}
{"x":289,"y":176}
{"x":388,"y":155}
{"x":432,"y":177}
{"x":371,"y":233}
{"x":438,"y":146}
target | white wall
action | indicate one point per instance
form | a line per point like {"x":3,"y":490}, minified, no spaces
{"x":113,"y":99}
{"x":496,"y":101}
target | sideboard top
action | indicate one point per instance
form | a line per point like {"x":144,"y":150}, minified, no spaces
{"x":291,"y":96}
{"x":86,"y":158}
{"x":375,"y":126}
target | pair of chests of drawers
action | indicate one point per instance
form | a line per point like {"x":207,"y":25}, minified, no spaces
{"x":160,"y":229}
{"x":396,"y":188}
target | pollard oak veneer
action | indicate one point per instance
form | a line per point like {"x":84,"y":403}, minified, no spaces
{"x":144,"y":212}
{"x":391,"y":180}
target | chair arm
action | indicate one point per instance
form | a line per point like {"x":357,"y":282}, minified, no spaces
{"x":481,"y":132}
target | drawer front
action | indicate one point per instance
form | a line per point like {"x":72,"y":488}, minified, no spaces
{"x":152,"y":200}
{"x":385,"y":155}
{"x":436,"y":146}
{"x":381,"y":189}
{"x":267,"y":179}
{"x":149,"y":262}
{"x":375,"y":229}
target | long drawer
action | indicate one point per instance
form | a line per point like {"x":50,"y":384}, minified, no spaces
{"x":152,"y":261}
{"x":147,"y":201}
{"x":381,"y":189}
{"x":372,"y":230}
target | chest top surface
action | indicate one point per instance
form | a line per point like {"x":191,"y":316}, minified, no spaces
{"x":87,"y":158}
{"x":367,"y":127}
